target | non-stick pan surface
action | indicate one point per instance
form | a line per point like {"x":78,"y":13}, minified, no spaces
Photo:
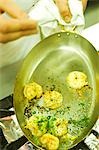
{"x":48,"y":64}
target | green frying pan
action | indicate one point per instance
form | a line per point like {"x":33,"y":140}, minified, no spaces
{"x":48,"y":64}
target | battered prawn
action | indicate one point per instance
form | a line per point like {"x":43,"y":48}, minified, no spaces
{"x":49,"y":141}
{"x":32,"y":90}
{"x":37,"y":125}
{"x":52,"y":99}
{"x":77,"y":80}
{"x":58,"y":127}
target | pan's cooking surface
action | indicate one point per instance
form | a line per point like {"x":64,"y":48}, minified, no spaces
{"x":51,"y":73}
{"x":49,"y":64}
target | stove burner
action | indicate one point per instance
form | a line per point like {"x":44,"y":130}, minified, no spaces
{"x":5,"y":105}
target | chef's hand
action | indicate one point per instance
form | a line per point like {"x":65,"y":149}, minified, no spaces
{"x":84,"y":3}
{"x":65,"y":10}
{"x":19,"y":25}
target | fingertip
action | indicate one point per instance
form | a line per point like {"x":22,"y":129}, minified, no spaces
{"x":34,"y":24}
{"x":67,"y":19}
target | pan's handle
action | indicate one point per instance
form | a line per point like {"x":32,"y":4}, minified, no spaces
{"x":72,"y":29}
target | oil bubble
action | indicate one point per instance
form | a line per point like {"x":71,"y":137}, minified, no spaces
{"x":68,"y":33}
{"x":58,"y":35}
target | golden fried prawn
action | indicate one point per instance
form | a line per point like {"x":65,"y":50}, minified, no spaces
{"x":49,"y":141}
{"x":32,"y":90}
{"x":52,"y":99}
